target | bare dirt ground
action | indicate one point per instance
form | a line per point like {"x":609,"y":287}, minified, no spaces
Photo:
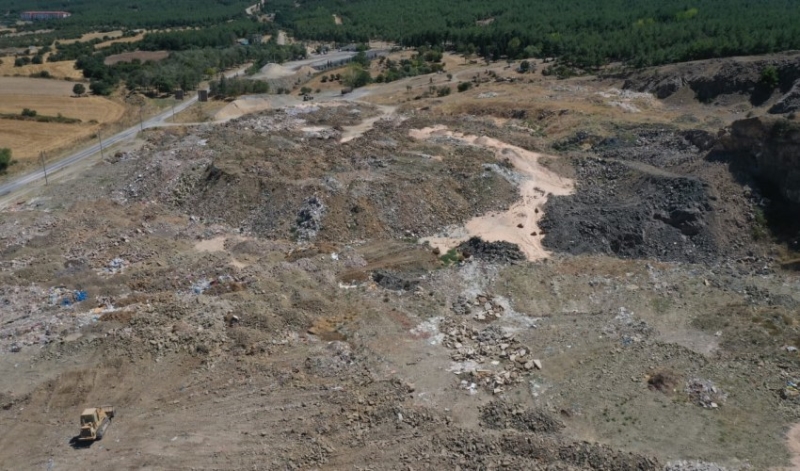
{"x":141,"y":55}
{"x":200,"y":112}
{"x":258,"y":293}
{"x":94,"y":35}
{"x":12,"y":86}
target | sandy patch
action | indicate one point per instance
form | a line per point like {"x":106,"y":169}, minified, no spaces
{"x":275,"y":71}
{"x":352,"y":132}
{"x":281,"y":40}
{"x":538,"y":183}
{"x":217,"y":244}
{"x":793,"y":444}
{"x":243,"y":106}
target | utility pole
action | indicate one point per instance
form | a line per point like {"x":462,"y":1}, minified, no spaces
{"x":99,"y":138}
{"x":173,"y":111}
{"x":44,"y":167}
{"x":141,"y":121}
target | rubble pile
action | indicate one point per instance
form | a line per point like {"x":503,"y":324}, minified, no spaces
{"x":628,"y":328}
{"x":394,"y":282}
{"x":490,"y":345}
{"x":37,"y":316}
{"x":501,"y":415}
{"x":482,"y":308}
{"x":309,"y":219}
{"x":704,"y":393}
{"x":264,"y":123}
{"x":501,"y":252}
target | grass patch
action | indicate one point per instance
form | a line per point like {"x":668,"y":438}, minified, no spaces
{"x":451,"y":257}
{"x":759,"y":229}
{"x":40,"y":118}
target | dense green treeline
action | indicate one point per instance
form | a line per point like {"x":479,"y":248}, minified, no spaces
{"x":583,"y":33}
{"x":108,"y":15}
{"x":225,"y":34}
{"x":150,"y":14}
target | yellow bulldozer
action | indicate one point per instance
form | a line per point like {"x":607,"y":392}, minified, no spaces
{"x":94,"y":422}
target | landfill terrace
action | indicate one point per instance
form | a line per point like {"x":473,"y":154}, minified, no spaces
{"x":475,"y":282}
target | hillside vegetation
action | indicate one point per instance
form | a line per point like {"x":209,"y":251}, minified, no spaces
{"x":583,"y":33}
{"x":137,"y":14}
{"x":108,"y":15}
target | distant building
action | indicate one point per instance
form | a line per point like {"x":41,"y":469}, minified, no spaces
{"x":44,"y":15}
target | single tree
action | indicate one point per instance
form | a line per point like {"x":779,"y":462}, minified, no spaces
{"x":5,"y":159}
{"x":79,"y":89}
{"x":770,"y":77}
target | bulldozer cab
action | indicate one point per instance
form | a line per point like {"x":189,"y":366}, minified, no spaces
{"x":89,"y":416}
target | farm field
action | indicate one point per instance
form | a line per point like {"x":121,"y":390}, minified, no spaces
{"x":59,"y":70}
{"x":49,"y":97}
{"x":141,"y":55}
{"x":92,"y":36}
{"x":117,"y":39}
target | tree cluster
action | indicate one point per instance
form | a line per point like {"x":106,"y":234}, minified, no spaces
{"x":225,"y":87}
{"x":115,"y":14}
{"x":5,"y":159}
{"x":181,"y":70}
{"x":425,"y":61}
{"x":581,"y":33}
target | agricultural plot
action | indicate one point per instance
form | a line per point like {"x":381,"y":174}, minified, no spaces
{"x":51,"y":98}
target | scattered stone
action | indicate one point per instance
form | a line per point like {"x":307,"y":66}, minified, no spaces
{"x":501,"y":415}
{"x":704,"y":393}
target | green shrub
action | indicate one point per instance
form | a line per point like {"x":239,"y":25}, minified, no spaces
{"x":770,"y":77}
{"x":5,"y":159}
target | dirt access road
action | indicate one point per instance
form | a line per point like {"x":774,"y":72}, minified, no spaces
{"x":156,"y":121}
{"x":257,"y":296}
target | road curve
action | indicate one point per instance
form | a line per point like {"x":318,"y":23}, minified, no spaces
{"x":156,"y":121}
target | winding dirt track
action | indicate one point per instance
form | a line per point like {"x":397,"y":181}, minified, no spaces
{"x":520,"y":223}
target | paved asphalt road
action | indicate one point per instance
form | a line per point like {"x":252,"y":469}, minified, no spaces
{"x":20,"y":182}
{"x":159,"y":120}
{"x":155,"y":121}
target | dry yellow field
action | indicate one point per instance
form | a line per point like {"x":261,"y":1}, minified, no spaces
{"x":63,"y":69}
{"x":26,"y":139}
{"x":49,"y":97}
{"x":90,"y":36}
{"x":86,"y":109}
{"x":34,"y":86}
{"x":129,"y":39}
{"x":143,"y":56}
